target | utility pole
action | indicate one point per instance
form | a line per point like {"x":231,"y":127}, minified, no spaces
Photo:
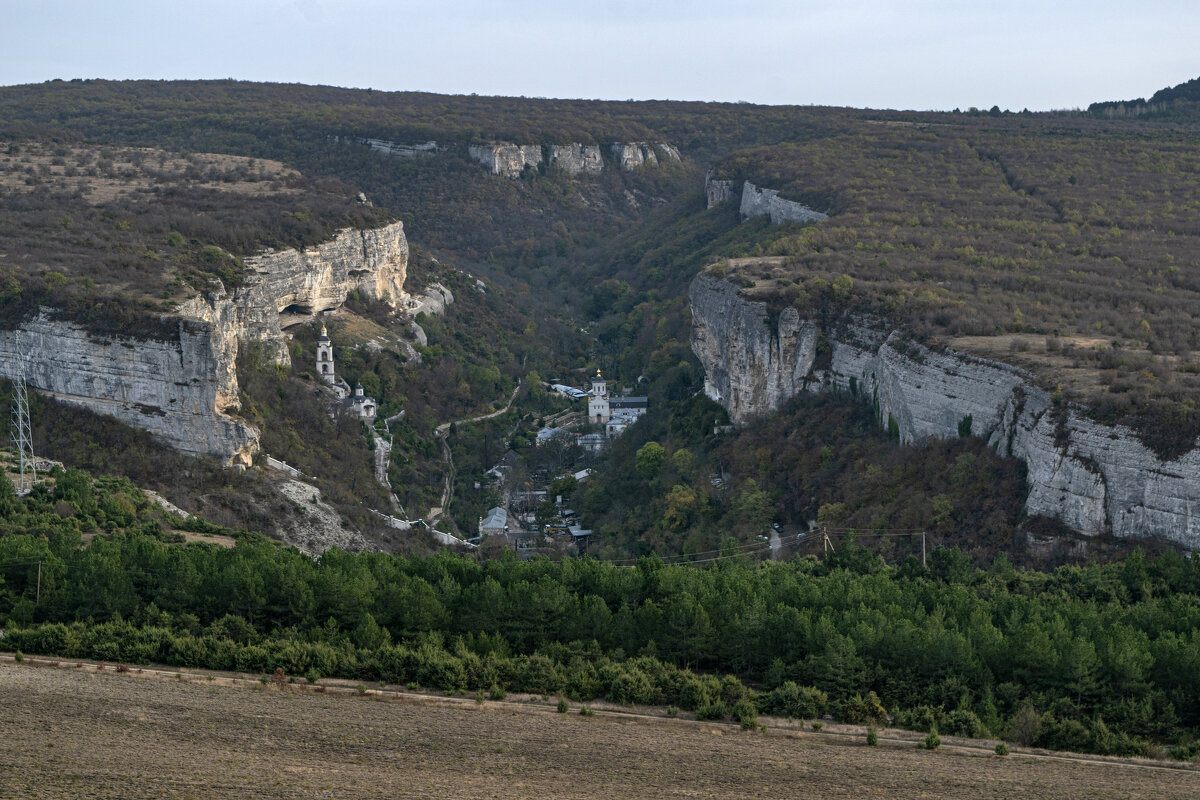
{"x":922,"y":548}
{"x":828,"y":544}
{"x":38,"y":597}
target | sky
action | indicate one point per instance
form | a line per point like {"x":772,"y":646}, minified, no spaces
{"x":907,"y":54}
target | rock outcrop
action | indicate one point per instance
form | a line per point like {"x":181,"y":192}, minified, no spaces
{"x":718,"y":191}
{"x":505,"y":158}
{"x":767,"y":203}
{"x":390,"y":148}
{"x":575,"y":158}
{"x":1093,"y":477}
{"x":183,"y":388}
{"x":635,"y":155}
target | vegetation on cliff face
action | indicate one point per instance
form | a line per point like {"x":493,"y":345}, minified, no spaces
{"x":1067,"y":246}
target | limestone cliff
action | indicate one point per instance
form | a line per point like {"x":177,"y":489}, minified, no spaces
{"x":767,"y":203}
{"x":575,"y":158}
{"x":506,"y":158}
{"x":183,"y":389}
{"x":634,"y":155}
{"x":717,"y":191}
{"x":1093,"y":477}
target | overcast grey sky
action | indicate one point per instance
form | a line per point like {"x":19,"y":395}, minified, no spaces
{"x":918,"y":54}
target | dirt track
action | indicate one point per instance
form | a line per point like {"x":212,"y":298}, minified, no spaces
{"x":70,"y":732}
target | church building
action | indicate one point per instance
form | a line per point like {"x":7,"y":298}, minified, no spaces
{"x":598,"y":411}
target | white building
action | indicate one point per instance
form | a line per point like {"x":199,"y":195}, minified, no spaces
{"x":325,"y":369}
{"x":364,"y":406}
{"x":598,"y":410}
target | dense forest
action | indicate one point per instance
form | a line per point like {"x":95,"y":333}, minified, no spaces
{"x":1101,"y":658}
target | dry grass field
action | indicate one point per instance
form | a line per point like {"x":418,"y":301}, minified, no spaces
{"x":75,"y":732}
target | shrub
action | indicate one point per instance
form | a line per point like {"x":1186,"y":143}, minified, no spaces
{"x":794,"y":701}
{"x":562,"y":705}
{"x":1026,"y":725}
{"x":312,"y":676}
{"x":744,"y":714}
{"x":19,"y":656}
{"x":965,"y":723}
{"x":479,"y":696}
{"x":933,"y":741}
{"x":672,"y":711}
{"x":360,"y":689}
{"x":816,"y":726}
{"x":584,"y":711}
{"x":872,"y":736}
{"x":496,"y":692}
{"x":1002,"y":749}
{"x":711,"y":711}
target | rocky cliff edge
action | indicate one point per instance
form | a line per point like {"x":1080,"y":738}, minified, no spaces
{"x":183,"y":388}
{"x":1093,"y":477}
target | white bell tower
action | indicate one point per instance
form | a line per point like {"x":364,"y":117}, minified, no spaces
{"x":325,"y":358}
{"x":598,"y":411}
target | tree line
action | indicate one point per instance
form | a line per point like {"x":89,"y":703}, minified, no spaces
{"x":1103,"y":658}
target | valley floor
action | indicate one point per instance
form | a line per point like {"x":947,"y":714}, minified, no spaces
{"x":72,"y":732}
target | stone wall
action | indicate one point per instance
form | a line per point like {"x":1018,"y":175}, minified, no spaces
{"x":1095,"y":478}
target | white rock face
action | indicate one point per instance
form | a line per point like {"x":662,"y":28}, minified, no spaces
{"x":390,"y":148}
{"x":635,"y":155}
{"x":183,"y":389}
{"x":1095,"y":478}
{"x":506,"y":158}
{"x":575,"y":158}
{"x":177,"y":389}
{"x":767,"y":203}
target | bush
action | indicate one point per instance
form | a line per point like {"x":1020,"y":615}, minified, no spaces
{"x":933,"y":741}
{"x":816,"y":726}
{"x":965,"y":723}
{"x":19,"y":656}
{"x":584,"y":711}
{"x":872,"y":736}
{"x":796,"y":702}
{"x":711,"y":711}
{"x":1002,"y":749}
{"x":1026,"y":725}
{"x":497,"y":692}
{"x":745,"y":714}
{"x":562,"y":705}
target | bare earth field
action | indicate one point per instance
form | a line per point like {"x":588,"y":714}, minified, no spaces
{"x":77,"y":732}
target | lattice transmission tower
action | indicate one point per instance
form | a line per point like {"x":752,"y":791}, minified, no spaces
{"x":19,"y":427}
